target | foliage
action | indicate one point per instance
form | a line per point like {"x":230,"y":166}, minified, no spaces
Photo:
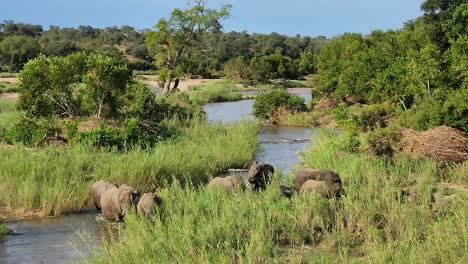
{"x":30,"y":130}
{"x":430,"y":112}
{"x":374,"y":116}
{"x":15,"y":51}
{"x":374,"y":222}
{"x":106,"y":79}
{"x":266,"y":104}
{"x":57,"y":180}
{"x":179,"y":32}
{"x":416,"y":68}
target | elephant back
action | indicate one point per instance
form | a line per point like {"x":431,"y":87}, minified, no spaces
{"x":98,"y":189}
{"x":315,"y":186}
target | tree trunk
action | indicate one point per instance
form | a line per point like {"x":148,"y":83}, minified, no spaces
{"x":167,"y":86}
{"x":176,"y":83}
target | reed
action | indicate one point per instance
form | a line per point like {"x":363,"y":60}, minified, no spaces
{"x":57,"y":179}
{"x":374,"y":223}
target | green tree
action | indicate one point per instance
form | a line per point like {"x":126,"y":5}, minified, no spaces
{"x":424,"y":67}
{"x":266,"y":104}
{"x":173,"y":36}
{"x":15,"y":51}
{"x":106,"y":79}
{"x":48,"y":86}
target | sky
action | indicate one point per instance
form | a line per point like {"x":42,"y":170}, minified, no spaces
{"x":289,"y":17}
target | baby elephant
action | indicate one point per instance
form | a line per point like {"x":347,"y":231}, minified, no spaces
{"x":147,"y":203}
{"x":286,"y":191}
{"x":230,"y":184}
{"x":328,"y":177}
{"x":259,"y":175}
{"x":315,"y":186}
{"x":98,"y":189}
{"x":116,"y":202}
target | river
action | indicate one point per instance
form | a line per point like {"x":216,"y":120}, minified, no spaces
{"x":61,"y":240}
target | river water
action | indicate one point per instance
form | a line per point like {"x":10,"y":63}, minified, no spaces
{"x":61,"y":240}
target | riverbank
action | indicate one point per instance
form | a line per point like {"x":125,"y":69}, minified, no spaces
{"x":56,"y":181}
{"x":395,"y":211}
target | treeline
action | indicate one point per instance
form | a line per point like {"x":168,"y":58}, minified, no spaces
{"x":273,"y":55}
{"x":421,"y":68}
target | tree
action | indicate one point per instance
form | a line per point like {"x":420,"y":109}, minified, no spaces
{"x":15,"y":51}
{"x":105,"y":80}
{"x":172,"y":37}
{"x":48,"y":85}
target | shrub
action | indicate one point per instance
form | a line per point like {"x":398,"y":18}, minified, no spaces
{"x":455,"y":109}
{"x":374,"y":116}
{"x":102,"y":136}
{"x":266,"y":104}
{"x":29,"y":131}
{"x":424,"y":114}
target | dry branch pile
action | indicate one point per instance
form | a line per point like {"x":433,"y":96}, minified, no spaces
{"x":444,"y":144}
{"x":325,"y":102}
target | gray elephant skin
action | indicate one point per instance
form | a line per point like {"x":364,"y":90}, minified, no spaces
{"x":98,"y":189}
{"x":147,"y":203}
{"x":116,"y":202}
{"x":328,"y":177}
{"x":259,"y":175}
{"x":229,"y":184}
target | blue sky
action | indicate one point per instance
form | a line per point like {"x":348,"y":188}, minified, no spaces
{"x":290,"y":17}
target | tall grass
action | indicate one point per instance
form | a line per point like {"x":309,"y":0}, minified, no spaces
{"x":8,"y":115}
{"x":220,"y":91}
{"x":374,"y":223}
{"x":299,"y":119}
{"x":57,"y":180}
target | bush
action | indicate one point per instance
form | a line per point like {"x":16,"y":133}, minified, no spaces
{"x":102,"y":136}
{"x":29,"y":131}
{"x":266,"y":104}
{"x":374,"y":116}
{"x":455,"y":109}
{"x":424,"y":114}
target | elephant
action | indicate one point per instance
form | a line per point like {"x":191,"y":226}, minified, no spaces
{"x":116,"y":202}
{"x":315,"y":186}
{"x":286,"y":191}
{"x":259,"y":175}
{"x":330,"y":178}
{"x":135,"y":193}
{"x":147,"y":203}
{"x":230,"y":184}
{"x":97,"y":189}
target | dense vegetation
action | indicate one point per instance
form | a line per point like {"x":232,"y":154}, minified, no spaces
{"x":420,"y":68}
{"x":21,"y":42}
{"x":396,"y":209}
{"x":267,"y":104}
{"x":376,"y":222}
{"x":57,"y":180}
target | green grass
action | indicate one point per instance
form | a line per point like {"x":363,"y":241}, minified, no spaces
{"x":57,"y":180}
{"x":7,"y":87}
{"x":374,"y":223}
{"x":8,"y":115}
{"x":8,"y":74}
{"x":3,"y":229}
{"x":219,"y":91}
{"x":300,"y":119}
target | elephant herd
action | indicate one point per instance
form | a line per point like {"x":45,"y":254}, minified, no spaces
{"x":324,"y":182}
{"x":114,"y":201}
